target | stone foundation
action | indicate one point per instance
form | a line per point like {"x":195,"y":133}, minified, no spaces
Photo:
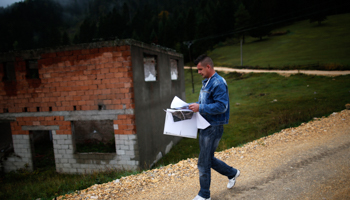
{"x":22,"y":156}
{"x":125,"y":158}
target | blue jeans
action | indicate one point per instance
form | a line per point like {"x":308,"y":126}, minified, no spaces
{"x":208,"y":142}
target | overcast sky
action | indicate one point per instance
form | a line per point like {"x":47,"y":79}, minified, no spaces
{"x":5,"y":3}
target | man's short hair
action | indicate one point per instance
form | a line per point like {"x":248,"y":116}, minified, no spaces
{"x":205,"y":60}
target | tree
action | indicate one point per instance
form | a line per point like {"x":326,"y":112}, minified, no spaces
{"x":154,"y":37}
{"x":65,"y":39}
{"x":104,"y":26}
{"x":262,"y":14}
{"x":178,"y":24}
{"x":318,"y":17}
{"x":30,"y":24}
{"x":242,"y":20}
{"x":144,"y":27}
{"x":126,"y":19}
{"x":51,"y":38}
{"x":190,"y":24}
{"x":126,"y":13}
{"x":87,"y":31}
{"x":205,"y":29}
{"x":318,"y":12}
{"x":259,"y":32}
{"x":223,"y":17}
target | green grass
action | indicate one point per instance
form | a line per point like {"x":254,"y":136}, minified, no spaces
{"x":47,"y":184}
{"x":305,"y":44}
{"x":255,"y":113}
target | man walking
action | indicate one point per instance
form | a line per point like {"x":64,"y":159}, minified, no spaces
{"x":213,"y":105}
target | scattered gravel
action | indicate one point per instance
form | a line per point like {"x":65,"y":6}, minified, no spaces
{"x":162,"y":183}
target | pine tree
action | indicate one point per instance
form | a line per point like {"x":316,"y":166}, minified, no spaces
{"x":87,"y":31}
{"x":65,"y":39}
{"x":318,"y":17}
{"x":242,"y":20}
{"x":262,"y":14}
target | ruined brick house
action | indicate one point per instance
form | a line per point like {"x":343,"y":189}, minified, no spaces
{"x":121,"y":87}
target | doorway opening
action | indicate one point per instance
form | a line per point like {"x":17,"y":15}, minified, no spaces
{"x":6,"y":144}
{"x":42,"y":150}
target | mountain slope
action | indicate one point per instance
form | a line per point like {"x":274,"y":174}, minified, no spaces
{"x":303,"y":44}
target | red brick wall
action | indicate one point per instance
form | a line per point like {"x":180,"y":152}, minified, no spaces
{"x":83,"y":78}
{"x":126,"y":124}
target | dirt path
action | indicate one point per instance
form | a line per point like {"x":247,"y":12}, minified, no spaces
{"x":311,"y":161}
{"x":282,"y":72}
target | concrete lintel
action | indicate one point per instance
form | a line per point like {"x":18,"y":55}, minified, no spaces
{"x":90,"y":117}
{"x":70,"y":115}
{"x":34,"y":128}
{"x":34,"y":114}
{"x":97,"y":114}
{"x":7,"y":119}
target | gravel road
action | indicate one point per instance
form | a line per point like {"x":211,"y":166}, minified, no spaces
{"x":311,"y":161}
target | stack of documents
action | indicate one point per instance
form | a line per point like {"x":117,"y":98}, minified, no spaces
{"x":181,"y":121}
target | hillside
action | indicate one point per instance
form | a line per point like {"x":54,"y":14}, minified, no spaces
{"x":304,"y":43}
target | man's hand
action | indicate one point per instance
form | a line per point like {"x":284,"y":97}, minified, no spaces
{"x":194,"y":107}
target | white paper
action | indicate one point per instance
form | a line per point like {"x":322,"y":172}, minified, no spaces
{"x":201,"y":122}
{"x":178,"y":103}
{"x":184,"y":128}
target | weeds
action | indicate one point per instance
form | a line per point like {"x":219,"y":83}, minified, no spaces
{"x":47,"y":184}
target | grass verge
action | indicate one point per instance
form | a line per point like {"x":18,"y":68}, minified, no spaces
{"x":46,"y":184}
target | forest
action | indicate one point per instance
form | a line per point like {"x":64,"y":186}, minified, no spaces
{"x":176,"y":24}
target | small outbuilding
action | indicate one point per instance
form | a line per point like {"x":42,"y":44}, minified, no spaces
{"x":110,"y":95}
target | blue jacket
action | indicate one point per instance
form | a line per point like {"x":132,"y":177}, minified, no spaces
{"x":213,"y":100}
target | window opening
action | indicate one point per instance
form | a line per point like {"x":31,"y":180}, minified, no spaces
{"x":174,"y":69}
{"x":150,"y":67}
{"x":25,"y":109}
{"x":94,"y":136}
{"x":32,"y":69}
{"x":9,"y":71}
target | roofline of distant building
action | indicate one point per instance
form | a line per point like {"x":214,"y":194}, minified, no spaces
{"x":35,"y":53}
